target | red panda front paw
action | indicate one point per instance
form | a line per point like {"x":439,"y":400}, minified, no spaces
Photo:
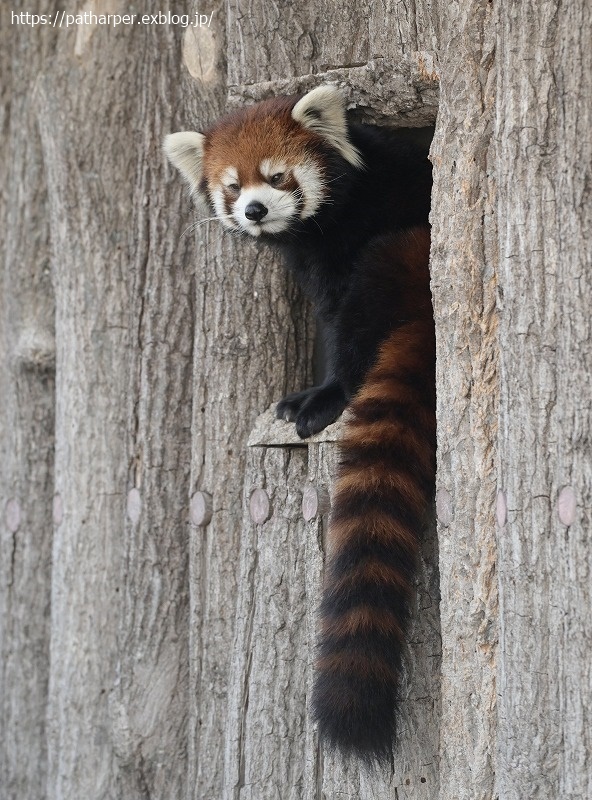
{"x":320,"y":409}
{"x":288,"y":408}
{"x":313,"y":409}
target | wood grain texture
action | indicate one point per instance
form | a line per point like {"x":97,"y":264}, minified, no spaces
{"x":266,"y":40}
{"x":400,"y":93}
{"x":243,"y":299}
{"x":149,"y":706}
{"x":89,"y":234}
{"x":27,"y":413}
{"x":399,"y":28}
{"x":463,"y":262}
{"x":544,"y":158}
{"x":265,"y":736}
{"x":117,"y":696}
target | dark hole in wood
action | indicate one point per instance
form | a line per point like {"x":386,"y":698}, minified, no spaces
{"x":423,"y":137}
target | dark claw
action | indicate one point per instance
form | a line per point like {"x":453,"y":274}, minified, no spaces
{"x":288,"y":408}
{"x":320,"y":408}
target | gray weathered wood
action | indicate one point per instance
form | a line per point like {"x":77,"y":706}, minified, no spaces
{"x":242,"y":299}
{"x":267,"y":41}
{"x":27,"y":412}
{"x":149,"y":706}
{"x":401,"y":93}
{"x":463,"y":261}
{"x":234,"y":379}
{"x":265,"y":736}
{"x":125,"y":330}
{"x":89,"y":236}
{"x":543,"y":166}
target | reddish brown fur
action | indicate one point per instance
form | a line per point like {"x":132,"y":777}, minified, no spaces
{"x":250,"y":135}
{"x":374,"y":571}
{"x":378,"y":526}
{"x":363,"y":618}
{"x":355,"y":252}
{"x":383,"y":489}
{"x":360,"y":664}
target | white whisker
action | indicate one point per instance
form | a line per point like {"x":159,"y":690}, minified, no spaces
{"x":199,"y":222}
{"x":337,"y":178}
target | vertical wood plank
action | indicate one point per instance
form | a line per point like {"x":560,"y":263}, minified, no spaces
{"x":87,"y":100}
{"x":149,"y":707}
{"x":545,"y":223}
{"x":27,"y":414}
{"x":266,"y":722}
{"x":246,"y":354}
{"x":463,"y":262}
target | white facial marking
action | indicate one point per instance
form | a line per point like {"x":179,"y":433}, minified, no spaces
{"x":229,"y":176}
{"x":312,"y":186}
{"x":271,"y":166}
{"x":283,"y":205}
{"x":219,"y":204}
{"x":281,"y":209}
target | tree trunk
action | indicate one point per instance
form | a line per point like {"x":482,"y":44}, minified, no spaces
{"x":463,"y":263}
{"x":543,"y":166}
{"x":27,"y":412}
{"x":161,"y":537}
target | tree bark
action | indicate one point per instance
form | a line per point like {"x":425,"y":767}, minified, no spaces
{"x":463,"y":263}
{"x":117,"y":705}
{"x":543,"y":164}
{"x":89,"y":222}
{"x":27,"y":411}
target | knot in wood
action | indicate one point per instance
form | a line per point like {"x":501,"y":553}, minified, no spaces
{"x":12,"y":515}
{"x":315,"y":502}
{"x":201,"y":508}
{"x":134,"y":505}
{"x":566,"y":506}
{"x":260,"y":506}
{"x":444,"y":507}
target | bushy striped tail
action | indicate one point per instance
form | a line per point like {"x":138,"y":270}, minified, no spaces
{"x":384,"y":486}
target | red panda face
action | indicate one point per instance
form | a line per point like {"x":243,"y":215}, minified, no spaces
{"x":263,"y":168}
{"x":272,"y":197}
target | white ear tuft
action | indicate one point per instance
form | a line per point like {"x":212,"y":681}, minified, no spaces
{"x":185,"y":152}
{"x":322,"y":110}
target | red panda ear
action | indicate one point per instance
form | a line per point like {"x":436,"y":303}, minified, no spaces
{"x":185,"y":152}
{"x":322,"y":110}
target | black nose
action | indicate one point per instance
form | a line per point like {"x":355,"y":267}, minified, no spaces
{"x":255,"y":211}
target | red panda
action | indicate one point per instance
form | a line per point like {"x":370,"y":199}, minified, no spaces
{"x":348,"y":205}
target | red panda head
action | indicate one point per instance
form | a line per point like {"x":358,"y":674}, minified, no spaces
{"x":264,"y":167}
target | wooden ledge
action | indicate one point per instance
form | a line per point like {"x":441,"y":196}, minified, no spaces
{"x":271,"y":432}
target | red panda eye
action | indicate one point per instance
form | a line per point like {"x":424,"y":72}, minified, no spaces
{"x":234,"y":187}
{"x":277,"y":178}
